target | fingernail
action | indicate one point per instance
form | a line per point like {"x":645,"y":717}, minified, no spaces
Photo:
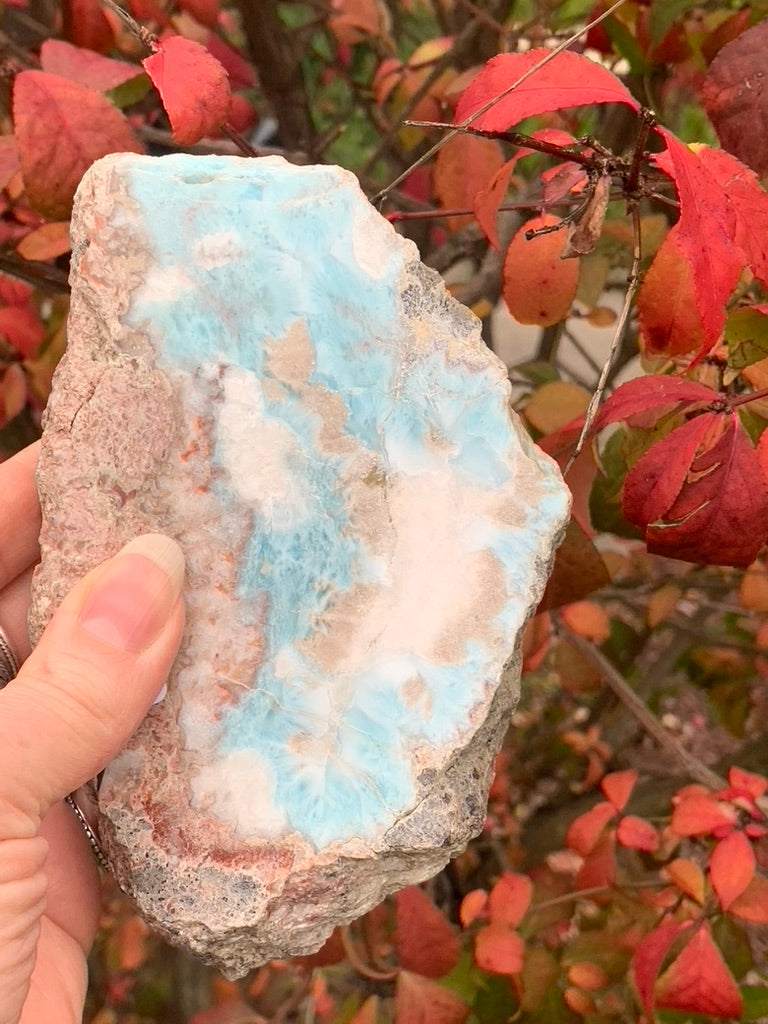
{"x":131,"y":601}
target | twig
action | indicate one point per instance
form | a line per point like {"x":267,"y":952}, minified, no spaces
{"x":149,"y":39}
{"x":363,"y":969}
{"x":496,"y":99}
{"x":618,"y":334}
{"x":41,"y":275}
{"x":616,"y":682}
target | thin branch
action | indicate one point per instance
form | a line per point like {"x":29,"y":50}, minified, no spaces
{"x":616,"y":682}
{"x":496,"y":99}
{"x":618,"y":334}
{"x":149,"y":39}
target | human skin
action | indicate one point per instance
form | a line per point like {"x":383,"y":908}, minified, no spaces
{"x":78,"y":697}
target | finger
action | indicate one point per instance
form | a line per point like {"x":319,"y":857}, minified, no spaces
{"x":14,"y":605}
{"x":84,"y":689}
{"x":74,"y":909}
{"x":19,"y":514}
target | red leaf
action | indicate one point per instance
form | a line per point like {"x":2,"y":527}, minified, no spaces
{"x":636,"y":834}
{"x":748,"y":782}
{"x":463,"y":166}
{"x":499,"y":950}
{"x":618,"y":787}
{"x":749,"y":204}
{"x":421,"y":1001}
{"x":752,"y":905}
{"x":539,"y":287}
{"x":698,"y":981}
{"x":9,"y":159}
{"x":567,"y":80}
{"x":472,"y":906}
{"x":731,"y":867}
{"x":84,"y":66}
{"x":509,"y":899}
{"x":193,"y":86}
{"x":204,"y":11}
{"x":20,"y":326}
{"x":424,"y":940}
{"x":735,"y":96}
{"x":85,"y":25}
{"x":658,"y":393}
{"x":669,"y":319}
{"x":584,"y":831}
{"x":61,"y":128}
{"x":705,"y":235}
{"x":241,"y":73}
{"x":648,"y":958}
{"x":599,"y":867}
{"x":699,"y":494}
{"x":699,"y":815}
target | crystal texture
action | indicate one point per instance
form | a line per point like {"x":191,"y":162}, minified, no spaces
{"x":259,"y":366}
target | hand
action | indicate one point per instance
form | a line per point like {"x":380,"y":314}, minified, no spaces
{"x":78,"y":697}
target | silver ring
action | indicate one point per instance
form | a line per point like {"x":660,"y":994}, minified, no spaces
{"x":90,"y":835}
{"x":9,"y":665}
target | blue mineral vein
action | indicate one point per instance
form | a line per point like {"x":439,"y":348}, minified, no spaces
{"x":296,"y":263}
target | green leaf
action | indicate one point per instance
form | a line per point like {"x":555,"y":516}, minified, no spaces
{"x":746,"y":332}
{"x":664,"y":13}
{"x":130,"y":92}
{"x":537,"y":372}
{"x":755,"y":1002}
{"x":626,"y":45}
{"x":605,"y":496}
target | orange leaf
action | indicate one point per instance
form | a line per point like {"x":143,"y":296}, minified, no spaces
{"x":648,"y":958}
{"x":538,"y":286}
{"x":424,"y":940}
{"x":731,"y":867}
{"x":636,"y":834}
{"x":488,"y":199}
{"x":509,"y":899}
{"x":588,"y":976}
{"x":463,"y":166}
{"x":193,"y":86}
{"x":698,"y":981}
{"x":421,"y":1001}
{"x":699,"y":814}
{"x":13,"y":393}
{"x":472,"y":906}
{"x":669,"y":319}
{"x":555,"y":404}
{"x":132,"y":943}
{"x":618,"y":787}
{"x":61,"y":128}
{"x":687,"y":876}
{"x":584,"y":831}
{"x":752,"y":905}
{"x":579,"y":1001}
{"x":499,"y":950}
{"x":46,"y":242}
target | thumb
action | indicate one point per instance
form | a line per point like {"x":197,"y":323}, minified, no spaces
{"x":85,"y":688}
